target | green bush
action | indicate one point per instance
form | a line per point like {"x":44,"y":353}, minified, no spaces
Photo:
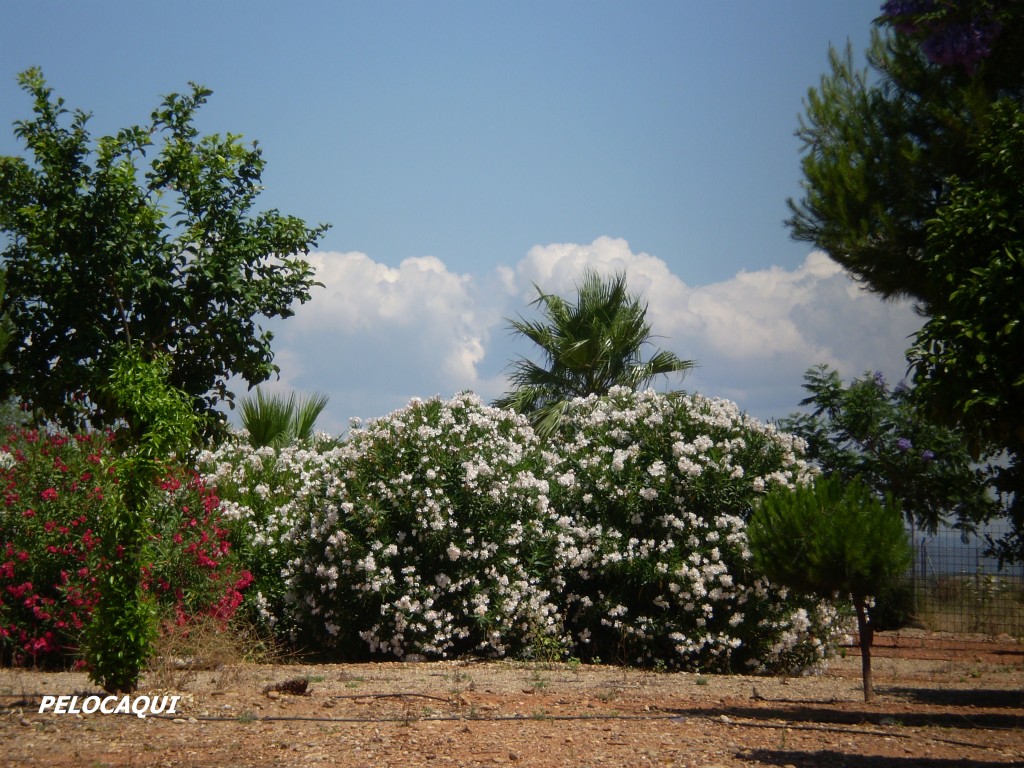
{"x":833,"y":538}
{"x":894,"y":606}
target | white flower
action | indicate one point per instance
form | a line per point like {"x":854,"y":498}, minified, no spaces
{"x":619,"y":459}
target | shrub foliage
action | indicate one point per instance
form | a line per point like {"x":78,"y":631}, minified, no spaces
{"x":56,"y":491}
{"x":446,"y":528}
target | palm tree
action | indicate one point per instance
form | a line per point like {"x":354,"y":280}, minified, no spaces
{"x":278,"y":421}
{"x":589,"y":347}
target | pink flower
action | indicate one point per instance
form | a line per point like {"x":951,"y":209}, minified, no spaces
{"x":49,"y":494}
{"x":170,"y":484}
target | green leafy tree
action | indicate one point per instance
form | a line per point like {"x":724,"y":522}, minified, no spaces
{"x":832,"y":538}
{"x":912,"y":175}
{"x":277,"y":421}
{"x":588,"y":347}
{"x":876,"y":435}
{"x":967,"y":358}
{"x":145,"y":238}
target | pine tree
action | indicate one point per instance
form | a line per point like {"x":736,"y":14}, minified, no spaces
{"x":832,"y":538}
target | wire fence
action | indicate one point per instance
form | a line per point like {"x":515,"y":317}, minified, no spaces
{"x":956,"y":588}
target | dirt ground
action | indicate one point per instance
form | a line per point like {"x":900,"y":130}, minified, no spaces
{"x":942,"y":702}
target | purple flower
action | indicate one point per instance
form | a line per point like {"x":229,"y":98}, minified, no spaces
{"x":927,"y":456}
{"x":946,"y":40}
{"x":904,"y":445}
{"x":960,"y":44}
{"x":901,"y":12}
{"x":879,"y":379}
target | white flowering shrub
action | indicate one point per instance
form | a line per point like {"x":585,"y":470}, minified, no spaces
{"x":447,"y":528}
{"x":654,"y":492}
{"x":435,"y":538}
{"x":263,"y":493}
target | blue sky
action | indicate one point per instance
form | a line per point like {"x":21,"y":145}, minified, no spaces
{"x":464,"y":150}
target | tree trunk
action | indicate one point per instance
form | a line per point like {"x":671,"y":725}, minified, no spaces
{"x":867,"y":635}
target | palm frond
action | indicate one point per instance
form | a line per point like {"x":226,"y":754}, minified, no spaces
{"x":277,"y":421}
{"x":266,"y":419}
{"x":307,"y":411}
{"x":587,"y":347}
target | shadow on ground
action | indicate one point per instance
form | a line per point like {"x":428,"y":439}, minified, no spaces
{"x":830,"y":759}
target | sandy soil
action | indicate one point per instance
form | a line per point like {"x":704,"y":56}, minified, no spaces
{"x":960,"y":703}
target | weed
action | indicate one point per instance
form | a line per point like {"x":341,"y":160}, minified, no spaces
{"x":206,"y":644}
{"x":351,"y":681}
{"x":537,"y":680}
{"x":459,"y":682}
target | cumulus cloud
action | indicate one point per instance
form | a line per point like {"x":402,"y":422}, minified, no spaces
{"x":752,"y":335}
{"x":376,"y":335}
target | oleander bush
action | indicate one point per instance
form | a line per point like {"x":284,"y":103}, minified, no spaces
{"x":263,"y":492}
{"x":448,"y":528}
{"x":659,"y":489}
{"x":56,"y":486}
{"x":435,"y":537}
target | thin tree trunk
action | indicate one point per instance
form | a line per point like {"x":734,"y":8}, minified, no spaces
{"x":867,"y":635}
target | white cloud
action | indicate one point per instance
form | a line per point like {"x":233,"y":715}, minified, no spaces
{"x":376,"y":335}
{"x":754,"y":335}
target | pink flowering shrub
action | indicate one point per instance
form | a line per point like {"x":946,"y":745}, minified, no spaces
{"x":54,"y":489}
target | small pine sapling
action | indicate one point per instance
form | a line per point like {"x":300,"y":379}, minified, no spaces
{"x":832,"y":538}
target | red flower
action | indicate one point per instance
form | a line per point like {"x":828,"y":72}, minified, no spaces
{"x":49,"y":494}
{"x":170,"y":484}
